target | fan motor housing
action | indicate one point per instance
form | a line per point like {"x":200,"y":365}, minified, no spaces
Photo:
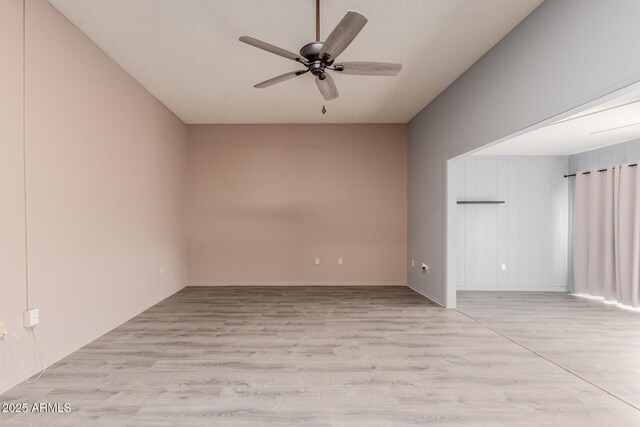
{"x":311,"y":51}
{"x":316,"y":64}
{"x":316,"y":68}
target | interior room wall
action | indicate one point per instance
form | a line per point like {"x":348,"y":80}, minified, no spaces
{"x":105,"y":175}
{"x":265,"y":200}
{"x":12,"y":251}
{"x":611,"y":155}
{"x":561,"y":56}
{"x":528,"y":233}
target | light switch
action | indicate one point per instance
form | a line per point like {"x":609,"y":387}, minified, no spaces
{"x":316,"y":261}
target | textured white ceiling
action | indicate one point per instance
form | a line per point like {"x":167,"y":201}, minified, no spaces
{"x":188,"y":55}
{"x":611,"y":122}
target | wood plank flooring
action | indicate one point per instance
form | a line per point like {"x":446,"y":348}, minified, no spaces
{"x":321,"y":356}
{"x":596,"y":341}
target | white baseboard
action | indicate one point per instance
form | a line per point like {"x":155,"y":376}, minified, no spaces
{"x":54,"y":358}
{"x":427,"y":296}
{"x":515,"y":288}
{"x":295,"y":284}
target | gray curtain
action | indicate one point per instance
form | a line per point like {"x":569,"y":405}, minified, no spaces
{"x":606,"y":234}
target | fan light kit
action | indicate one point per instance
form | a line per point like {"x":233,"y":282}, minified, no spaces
{"x":319,"y":57}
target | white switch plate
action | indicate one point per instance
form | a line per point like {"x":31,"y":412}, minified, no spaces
{"x":504,"y":267}
{"x":316,"y":261}
{"x":31,"y":317}
{"x":413,"y":263}
{"x":339,"y":261}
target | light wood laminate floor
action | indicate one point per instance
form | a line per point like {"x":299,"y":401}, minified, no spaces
{"x":332,"y":356}
{"x":596,"y":341}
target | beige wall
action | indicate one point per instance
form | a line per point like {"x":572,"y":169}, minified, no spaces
{"x":265,"y":200}
{"x":105,"y":189}
{"x":12,"y":260}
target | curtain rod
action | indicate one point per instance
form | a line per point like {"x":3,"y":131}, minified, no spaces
{"x":599,"y":170}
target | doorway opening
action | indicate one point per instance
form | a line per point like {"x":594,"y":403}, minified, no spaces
{"x":510,"y":204}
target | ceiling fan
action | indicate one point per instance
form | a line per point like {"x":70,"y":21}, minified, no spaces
{"x":319,"y":57}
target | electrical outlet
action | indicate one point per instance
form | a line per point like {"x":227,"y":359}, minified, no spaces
{"x":316,"y":261}
{"x":3,"y":330}
{"x":339,"y":261}
{"x":31,"y":317}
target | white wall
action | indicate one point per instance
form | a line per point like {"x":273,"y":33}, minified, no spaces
{"x":565,"y":54}
{"x":528,"y":233}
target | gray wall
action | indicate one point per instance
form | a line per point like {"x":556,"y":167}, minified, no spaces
{"x":626,"y":152}
{"x":528,"y":233}
{"x":566,"y":53}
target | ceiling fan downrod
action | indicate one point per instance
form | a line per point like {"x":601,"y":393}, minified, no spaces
{"x":317,"y":20}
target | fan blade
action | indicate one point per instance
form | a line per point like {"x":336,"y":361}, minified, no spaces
{"x":369,"y":68}
{"x":342,"y":36}
{"x":271,"y":48}
{"x":279,"y":79}
{"x":327,"y":87}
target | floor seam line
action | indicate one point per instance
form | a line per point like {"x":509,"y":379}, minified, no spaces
{"x":549,"y":360}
